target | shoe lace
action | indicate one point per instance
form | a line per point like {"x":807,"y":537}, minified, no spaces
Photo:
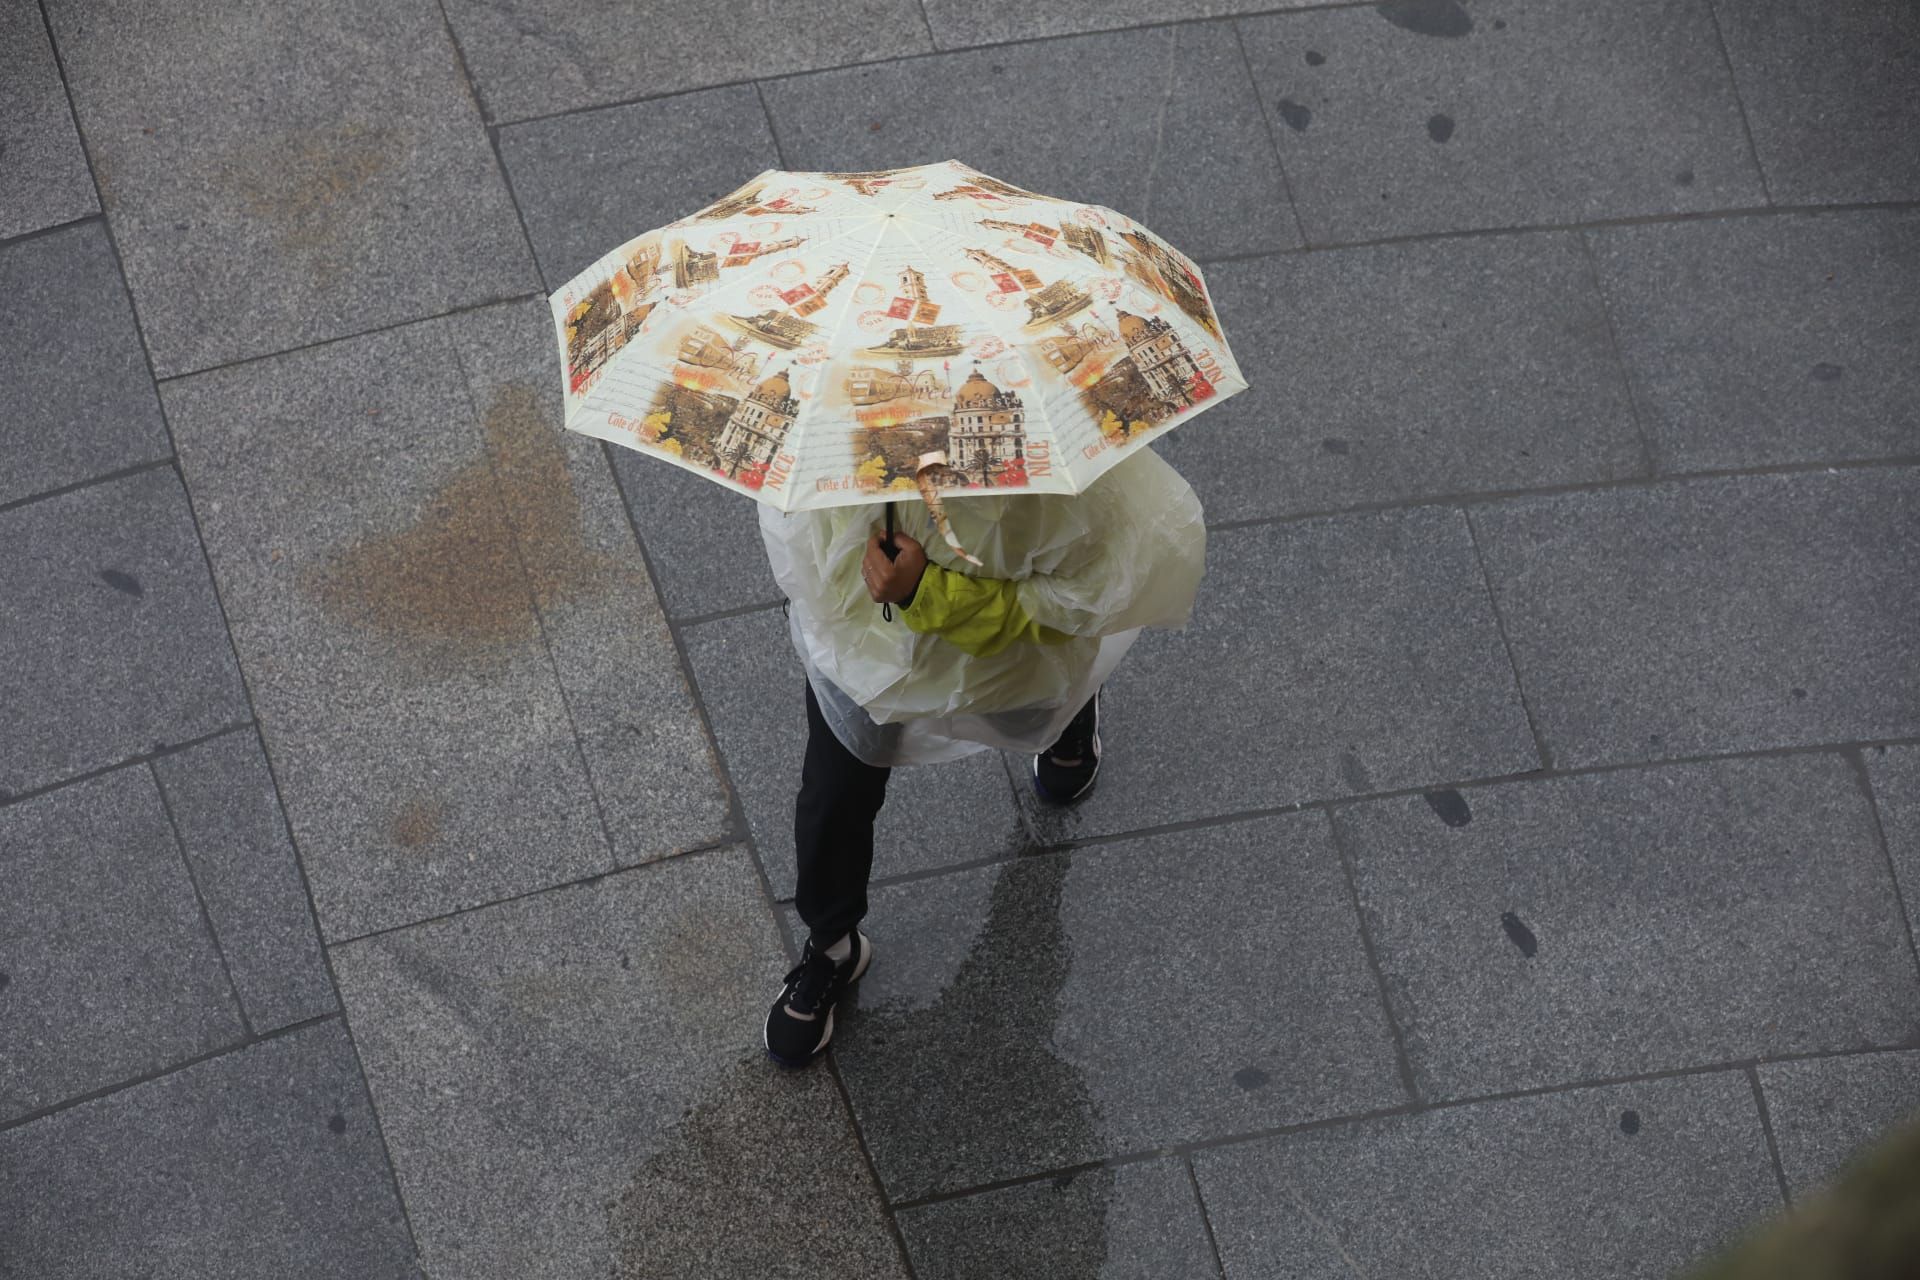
{"x":810,"y":980}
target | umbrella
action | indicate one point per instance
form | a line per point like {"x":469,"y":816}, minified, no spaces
{"x":826,"y":339}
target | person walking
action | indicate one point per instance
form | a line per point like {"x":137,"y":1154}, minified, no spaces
{"x":915,"y":657}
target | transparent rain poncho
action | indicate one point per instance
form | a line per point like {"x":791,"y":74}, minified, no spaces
{"x":1126,"y":554}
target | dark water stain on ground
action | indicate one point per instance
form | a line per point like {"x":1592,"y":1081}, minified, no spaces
{"x":1518,"y":934}
{"x":503,"y":526}
{"x":304,"y":185}
{"x":1824,"y":372}
{"x":1250,"y":1078}
{"x":1354,"y":773}
{"x":964,"y":1078}
{"x":1629,"y":1122}
{"x":418,"y":822}
{"x":1439,"y":127}
{"x":1315,"y":58}
{"x":1335,"y":445}
{"x":1427,"y":17}
{"x":1297,"y":117}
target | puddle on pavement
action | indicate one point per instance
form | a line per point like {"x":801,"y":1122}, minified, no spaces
{"x":967,"y":1078}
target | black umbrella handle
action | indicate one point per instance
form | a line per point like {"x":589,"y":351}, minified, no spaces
{"x":887,"y":545}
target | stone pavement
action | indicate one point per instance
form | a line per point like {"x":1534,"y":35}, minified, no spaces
{"x":1512,"y":871}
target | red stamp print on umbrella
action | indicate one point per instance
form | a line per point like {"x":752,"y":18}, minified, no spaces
{"x":901,"y":308}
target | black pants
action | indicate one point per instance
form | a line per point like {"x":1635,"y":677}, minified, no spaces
{"x":840,"y":796}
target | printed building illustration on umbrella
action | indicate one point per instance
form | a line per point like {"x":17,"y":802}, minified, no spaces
{"x":989,"y":427}
{"x":1161,"y":359}
{"x":756,"y":428}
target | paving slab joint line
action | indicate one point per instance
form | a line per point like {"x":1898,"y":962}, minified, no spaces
{"x":38,"y":233}
{"x":172,"y":749}
{"x":1489,"y":497}
{"x":873,"y":1170}
{"x":773,"y":130}
{"x":1540,"y":748}
{"x":1740,"y":103}
{"x":100,"y":198}
{"x":299,"y":859}
{"x":1206,"y":1219}
{"x":1857,"y":760}
{"x":1730,"y":213}
{"x":581,"y":882}
{"x":1404,"y":1111}
{"x":1766,"y":1128}
{"x":1273,"y":137}
{"x":936,"y":52}
{"x":533,"y":602}
{"x":1402,"y":1060}
{"x":107,"y":478}
{"x":200,"y":900}
{"x":1647,"y":459}
{"x":161,"y":1073}
{"x":316,"y":344}
{"x":741,"y":833}
{"x":1334,"y":803}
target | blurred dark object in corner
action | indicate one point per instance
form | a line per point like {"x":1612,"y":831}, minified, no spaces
{"x":1866,"y":1226}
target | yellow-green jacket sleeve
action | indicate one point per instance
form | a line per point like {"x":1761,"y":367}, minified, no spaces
{"x":981,"y":616}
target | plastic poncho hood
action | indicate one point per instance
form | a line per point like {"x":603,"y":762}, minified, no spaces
{"x":1098,"y":566}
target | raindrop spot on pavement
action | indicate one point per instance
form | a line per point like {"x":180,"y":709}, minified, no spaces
{"x":1521,"y":936}
{"x":123,"y":582}
{"x":1451,"y":806}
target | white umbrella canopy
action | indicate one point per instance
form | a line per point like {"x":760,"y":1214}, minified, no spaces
{"x":831,"y":339}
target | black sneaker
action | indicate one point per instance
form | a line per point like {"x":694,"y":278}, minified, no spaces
{"x":801,"y":1021}
{"x":1064,"y":772}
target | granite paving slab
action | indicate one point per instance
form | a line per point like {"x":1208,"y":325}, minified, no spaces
{"x":702,"y":539}
{"x":1631,"y":1181}
{"x":1894,"y":775}
{"x":1329,"y":657}
{"x":1542,"y":933}
{"x":417,"y":575}
{"x":1065,"y":1007}
{"x":1139,"y":1221}
{"x":754,"y":691}
{"x":1406,"y":371}
{"x":573,"y":1084}
{"x":1826,"y":1111}
{"x":1760,"y":341}
{"x":318,"y":170}
{"x":221,"y":798}
{"x":1160,"y":124}
{"x":539,"y":57}
{"x":1832,"y":93}
{"x":1419,"y":116}
{"x":106,"y":968}
{"x":590,"y":181}
{"x":1713,"y":615}
{"x":115,"y":643}
{"x":76,"y":400}
{"x":653,"y":768}
{"x":43,"y":169}
{"x":264,"y":1162}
